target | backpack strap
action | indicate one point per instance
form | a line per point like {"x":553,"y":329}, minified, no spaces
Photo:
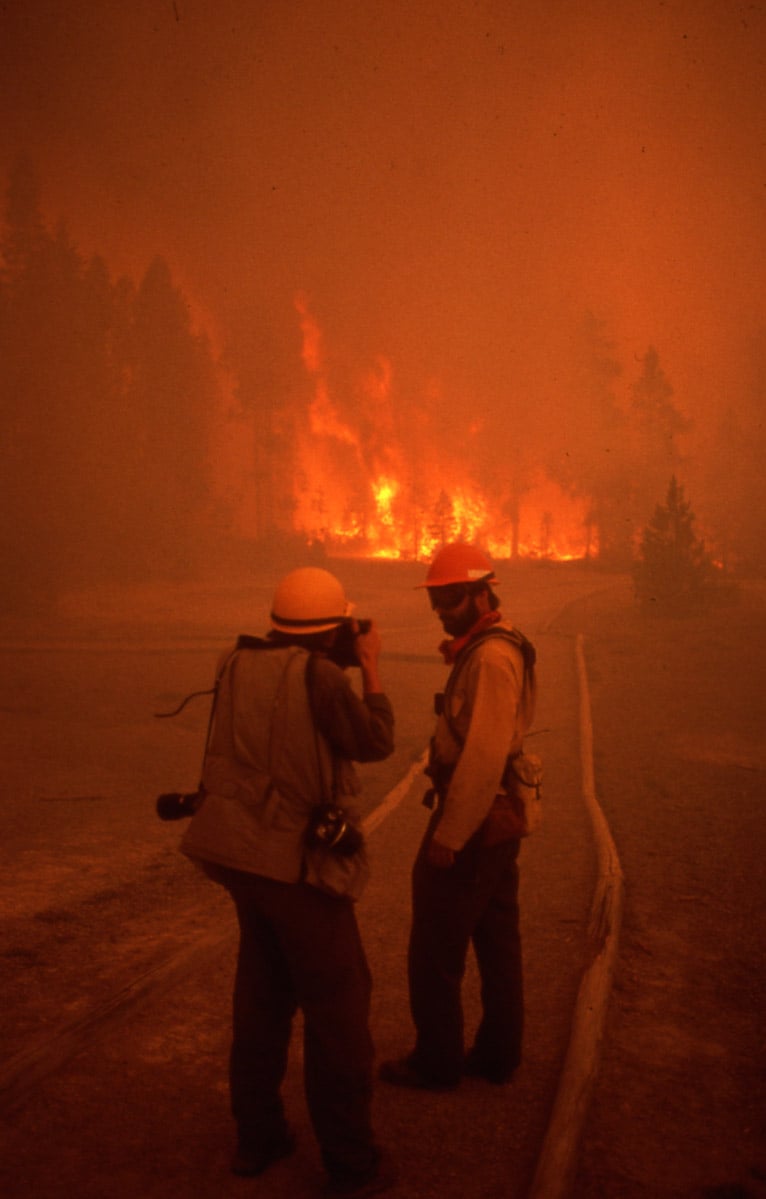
{"x":516,"y":638}
{"x":441,"y":773}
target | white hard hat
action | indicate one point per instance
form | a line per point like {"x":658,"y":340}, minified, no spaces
{"x":309,"y":600}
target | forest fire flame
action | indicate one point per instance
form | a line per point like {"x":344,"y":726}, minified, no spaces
{"x":364,"y":486}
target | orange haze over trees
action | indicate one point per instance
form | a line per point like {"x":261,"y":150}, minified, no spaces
{"x":369,"y":275}
{"x":135,"y":450}
{"x":107,"y":400}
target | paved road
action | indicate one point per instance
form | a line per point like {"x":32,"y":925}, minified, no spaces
{"x":141,"y":1107}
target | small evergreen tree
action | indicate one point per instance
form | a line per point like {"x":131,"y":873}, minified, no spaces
{"x":674,"y":572}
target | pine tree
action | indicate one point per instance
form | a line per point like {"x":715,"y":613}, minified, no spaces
{"x":170,"y":401}
{"x":588,"y":457}
{"x":107,"y":396}
{"x":656,"y":427}
{"x":674,"y":572}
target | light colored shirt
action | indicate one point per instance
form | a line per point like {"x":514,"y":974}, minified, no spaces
{"x":491,"y":707}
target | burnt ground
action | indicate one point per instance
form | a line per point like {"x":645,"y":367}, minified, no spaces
{"x":680,"y":758}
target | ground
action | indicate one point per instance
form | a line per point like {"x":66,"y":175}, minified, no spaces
{"x":678,"y":717}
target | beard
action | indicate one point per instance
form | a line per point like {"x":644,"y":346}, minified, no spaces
{"x":457,"y":623}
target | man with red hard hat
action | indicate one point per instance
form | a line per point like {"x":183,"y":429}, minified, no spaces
{"x":465,"y":876}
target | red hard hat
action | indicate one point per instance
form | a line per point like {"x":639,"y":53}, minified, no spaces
{"x":458,"y":563}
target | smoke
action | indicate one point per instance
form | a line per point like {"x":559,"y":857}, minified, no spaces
{"x":452,"y":187}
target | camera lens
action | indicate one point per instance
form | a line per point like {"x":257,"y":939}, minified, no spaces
{"x":175,"y":805}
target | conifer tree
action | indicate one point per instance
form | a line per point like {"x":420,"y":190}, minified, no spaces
{"x":107,"y":396}
{"x":656,"y":428}
{"x":674,"y":572}
{"x":588,"y":450}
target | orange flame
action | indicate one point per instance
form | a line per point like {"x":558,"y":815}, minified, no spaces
{"x":377,"y":494}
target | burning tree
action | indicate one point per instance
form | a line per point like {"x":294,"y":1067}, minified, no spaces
{"x":376,"y":468}
{"x":674,"y":572}
{"x":442,"y":528}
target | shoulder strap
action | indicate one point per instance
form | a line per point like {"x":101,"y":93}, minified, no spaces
{"x":310,"y":676}
{"x":515,"y":636}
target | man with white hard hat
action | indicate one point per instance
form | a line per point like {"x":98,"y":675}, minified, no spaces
{"x":287,"y":726}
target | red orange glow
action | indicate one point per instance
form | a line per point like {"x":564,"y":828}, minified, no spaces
{"x":379,"y":496}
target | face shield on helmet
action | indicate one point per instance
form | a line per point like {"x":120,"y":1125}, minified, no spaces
{"x":309,"y":600}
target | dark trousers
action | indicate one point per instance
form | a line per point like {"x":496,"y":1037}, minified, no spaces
{"x":300,"y":948}
{"x":475,"y":901}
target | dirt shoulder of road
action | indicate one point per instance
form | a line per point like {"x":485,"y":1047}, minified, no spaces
{"x":678,"y":714}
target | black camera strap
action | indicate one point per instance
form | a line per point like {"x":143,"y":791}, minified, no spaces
{"x":195,"y":695}
{"x":244,"y":641}
{"x":310,"y":675}
{"x":184,"y":702}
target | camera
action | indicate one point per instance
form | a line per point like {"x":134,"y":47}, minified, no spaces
{"x":176,"y":805}
{"x":343,"y":652}
{"x":330,"y":828}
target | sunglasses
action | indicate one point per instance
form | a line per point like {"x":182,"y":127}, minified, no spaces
{"x":451,"y":595}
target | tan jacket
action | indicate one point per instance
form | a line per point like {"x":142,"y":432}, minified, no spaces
{"x":491,"y":703}
{"x":267,"y":763}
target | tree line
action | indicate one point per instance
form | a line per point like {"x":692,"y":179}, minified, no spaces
{"x":107,"y":395}
{"x":111,"y":399}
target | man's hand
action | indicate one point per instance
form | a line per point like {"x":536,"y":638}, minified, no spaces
{"x":366,"y":645}
{"x":440,"y":856}
{"x":367,"y":649}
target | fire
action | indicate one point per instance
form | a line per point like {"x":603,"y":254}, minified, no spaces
{"x":363,"y":486}
{"x":312,"y":338}
{"x":324,"y":421}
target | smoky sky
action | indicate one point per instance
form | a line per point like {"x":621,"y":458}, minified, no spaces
{"x":452,"y":184}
